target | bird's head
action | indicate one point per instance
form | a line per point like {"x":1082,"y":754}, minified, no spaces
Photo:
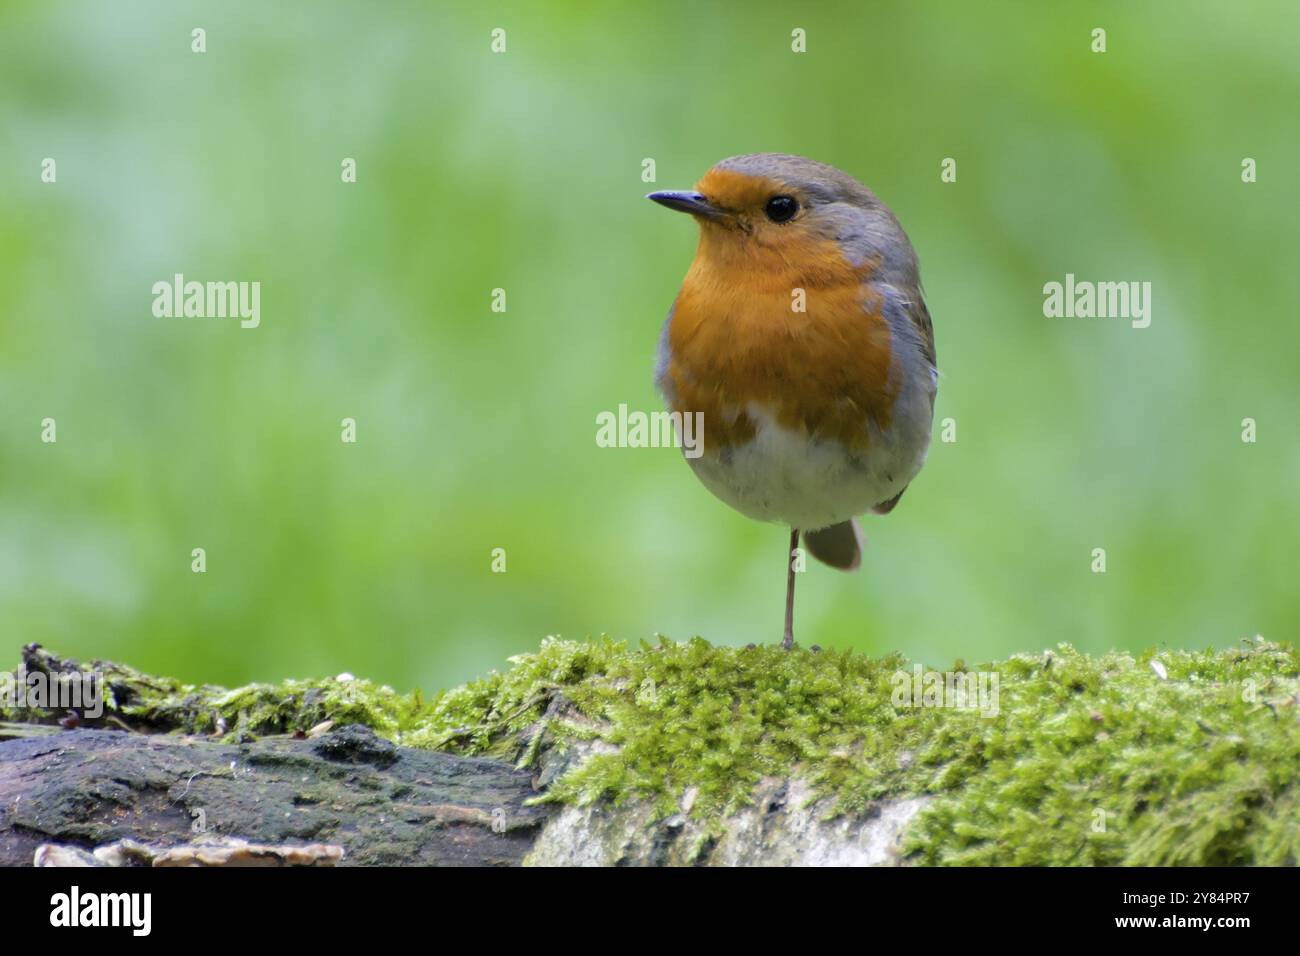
{"x":765,"y":206}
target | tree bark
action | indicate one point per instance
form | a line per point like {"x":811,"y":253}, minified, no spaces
{"x":381,"y":803}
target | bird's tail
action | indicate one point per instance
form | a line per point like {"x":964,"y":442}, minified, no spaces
{"x":840,"y":545}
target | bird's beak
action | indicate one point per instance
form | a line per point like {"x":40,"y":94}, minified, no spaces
{"x":686,"y":201}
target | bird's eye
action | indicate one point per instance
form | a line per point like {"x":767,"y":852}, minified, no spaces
{"x":781,"y":208}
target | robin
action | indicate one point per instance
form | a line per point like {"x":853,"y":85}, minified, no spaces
{"x":801,"y":337}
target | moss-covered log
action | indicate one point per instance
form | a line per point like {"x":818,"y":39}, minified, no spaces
{"x":689,"y":753}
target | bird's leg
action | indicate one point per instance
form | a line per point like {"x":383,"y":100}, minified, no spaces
{"x":788,"y":641}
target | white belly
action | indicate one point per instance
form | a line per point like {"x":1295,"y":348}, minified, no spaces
{"x":784,"y":476}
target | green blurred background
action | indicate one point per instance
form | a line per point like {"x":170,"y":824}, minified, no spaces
{"x":476,"y":430}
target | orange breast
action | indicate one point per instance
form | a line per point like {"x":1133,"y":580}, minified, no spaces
{"x":735,"y":339}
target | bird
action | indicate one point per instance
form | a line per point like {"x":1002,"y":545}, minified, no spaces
{"x":801,"y":341}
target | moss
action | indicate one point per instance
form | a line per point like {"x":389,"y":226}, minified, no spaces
{"x":1109,"y":760}
{"x":137,"y":701}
